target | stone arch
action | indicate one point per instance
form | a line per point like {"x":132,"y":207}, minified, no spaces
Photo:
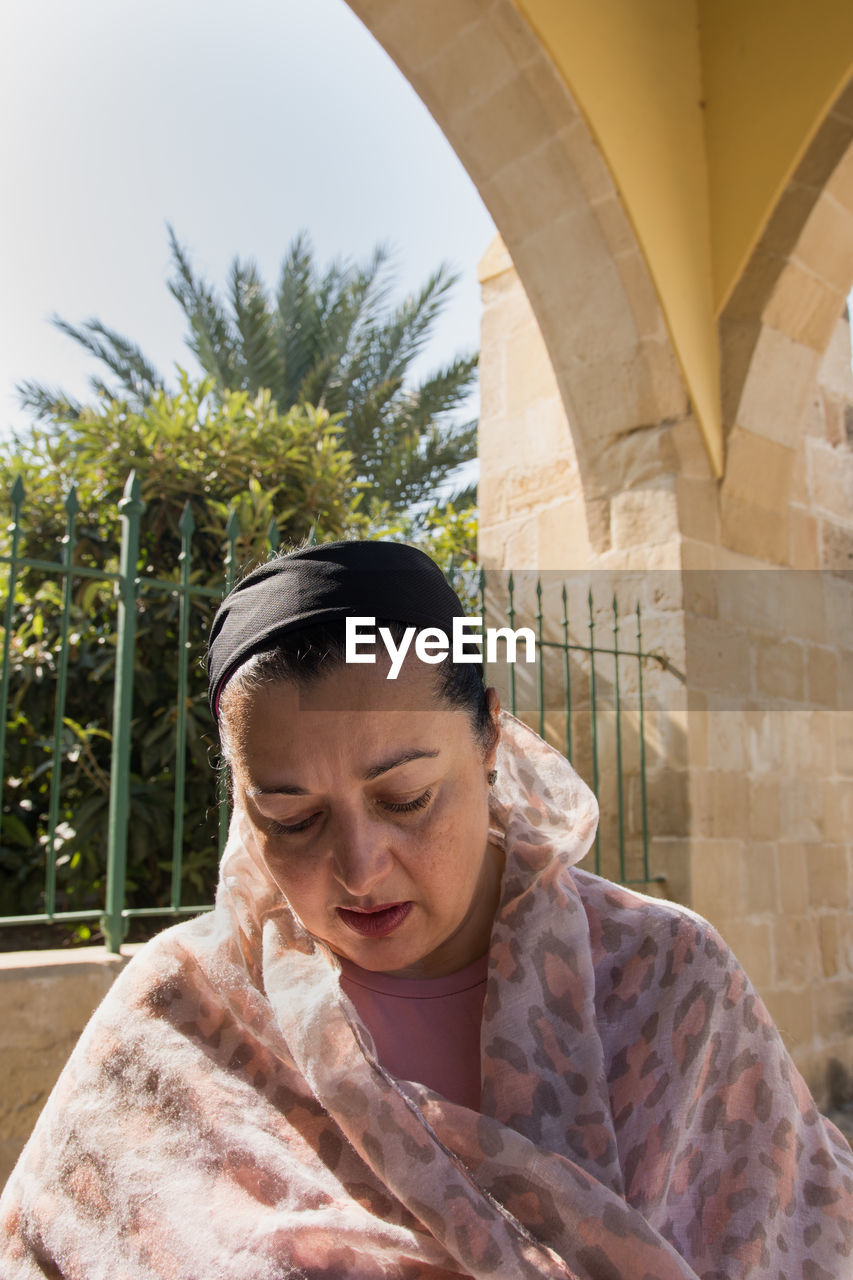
{"x":774,"y":334}
{"x":517,"y":129}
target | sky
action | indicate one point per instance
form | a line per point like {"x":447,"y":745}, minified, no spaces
{"x":240,"y":123}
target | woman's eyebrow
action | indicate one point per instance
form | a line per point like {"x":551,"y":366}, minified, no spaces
{"x":384,"y":766}
{"x":375,"y":771}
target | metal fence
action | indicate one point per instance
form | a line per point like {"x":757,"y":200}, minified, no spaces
{"x":574,"y":698}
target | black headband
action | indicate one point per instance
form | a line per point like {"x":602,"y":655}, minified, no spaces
{"x":326,"y":583}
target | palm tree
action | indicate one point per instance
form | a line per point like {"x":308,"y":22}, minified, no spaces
{"x":328,"y":338}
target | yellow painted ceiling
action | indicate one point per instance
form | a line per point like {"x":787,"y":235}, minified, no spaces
{"x":702,"y":109}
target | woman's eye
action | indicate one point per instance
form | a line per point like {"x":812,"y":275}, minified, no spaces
{"x":291,"y":828}
{"x":391,"y":806}
{"x":407,"y":806}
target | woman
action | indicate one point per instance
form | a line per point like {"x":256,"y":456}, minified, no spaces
{"x":414,"y":1039}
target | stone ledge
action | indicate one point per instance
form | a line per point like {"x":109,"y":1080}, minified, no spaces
{"x":14,"y":964}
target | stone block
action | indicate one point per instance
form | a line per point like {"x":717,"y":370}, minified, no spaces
{"x":533,"y":190}
{"x":793,"y":1014}
{"x":754,"y":530}
{"x":831,"y":473}
{"x":643,"y":517}
{"x":414,"y":31}
{"x":693,"y":459}
{"x":717,"y":877}
{"x":764,"y":809}
{"x":825,"y":153}
{"x":837,"y":815}
{"x":521,"y":543}
{"x":777,"y":391}
{"x":803,"y":810}
{"x":717,"y":657}
{"x":726,"y":742}
{"x":647,"y":312}
{"x":792,"y":876}
{"x":478,"y":46}
{"x":836,"y":375}
{"x":666,"y":800}
{"x":835,"y":420}
{"x":781,"y":604}
{"x":765,"y":741}
{"x":828,"y":937}
{"x":808,"y":744}
{"x":496,"y":261}
{"x":760,"y":880}
{"x":517,"y":37}
{"x":731,"y":803}
{"x":530,"y":382}
{"x":842,"y":729}
{"x":836,"y":547}
{"x":615,"y":226}
{"x":845,"y":679}
{"x":833,"y":1011}
{"x":497,"y":130}
{"x":698,"y":509}
{"x":752,"y":943}
{"x":563,"y":538}
{"x":779,"y":669}
{"x":804,"y":307}
{"x":803,"y":542}
{"x":790,"y":214}
{"x":580,"y":296}
{"x":825,"y":245}
{"x":795,"y":948}
{"x":800,"y":491}
{"x":641,"y":459}
{"x":588,"y":161}
{"x":826,"y":869}
{"x":672,"y":858}
{"x":610,"y":397}
{"x":669,"y":393}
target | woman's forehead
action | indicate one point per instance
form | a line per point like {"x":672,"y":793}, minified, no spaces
{"x":352,"y":721}
{"x":357,"y":688}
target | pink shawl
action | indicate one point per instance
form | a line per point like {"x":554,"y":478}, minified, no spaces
{"x":224,"y":1115}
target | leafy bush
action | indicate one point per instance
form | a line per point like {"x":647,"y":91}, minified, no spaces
{"x":277,"y":471}
{"x":286,"y":477}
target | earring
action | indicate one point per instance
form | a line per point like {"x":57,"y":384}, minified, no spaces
{"x":492,"y":777}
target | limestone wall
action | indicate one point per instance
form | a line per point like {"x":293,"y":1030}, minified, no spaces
{"x":748,"y":592}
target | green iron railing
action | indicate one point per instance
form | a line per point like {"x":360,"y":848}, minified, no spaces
{"x":593,"y":653}
{"x":115,"y":914}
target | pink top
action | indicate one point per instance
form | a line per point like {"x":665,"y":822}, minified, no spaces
{"x":425,"y":1029}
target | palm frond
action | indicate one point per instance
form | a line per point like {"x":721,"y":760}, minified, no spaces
{"x":211,"y":337}
{"x":137,"y":376}
{"x":47,"y":403}
{"x":404,"y":335}
{"x":255,"y":327}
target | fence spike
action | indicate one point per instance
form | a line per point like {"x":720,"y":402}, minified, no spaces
{"x":232,"y":527}
{"x":72,"y":506}
{"x":273,"y":535}
{"x":186,"y":524}
{"x":18,"y":492}
{"x":132,"y":490}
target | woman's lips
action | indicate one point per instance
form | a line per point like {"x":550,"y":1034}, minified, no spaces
{"x":378,"y":922}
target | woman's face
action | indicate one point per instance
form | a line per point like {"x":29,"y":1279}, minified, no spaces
{"x":369,"y":798}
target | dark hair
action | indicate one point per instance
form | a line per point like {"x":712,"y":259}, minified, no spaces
{"x":302,"y":657}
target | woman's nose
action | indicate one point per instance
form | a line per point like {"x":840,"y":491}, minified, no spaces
{"x":362,"y":858}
